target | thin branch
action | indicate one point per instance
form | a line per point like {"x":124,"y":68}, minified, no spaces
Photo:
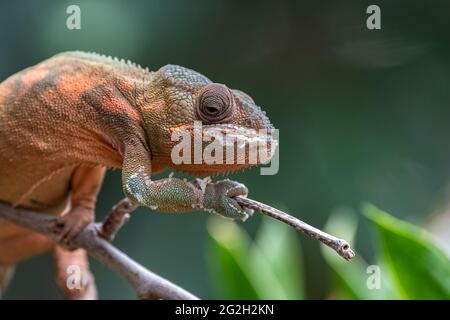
{"x":341,"y":246}
{"x":147,"y":284}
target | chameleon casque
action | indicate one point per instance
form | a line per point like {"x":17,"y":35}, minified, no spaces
{"x":66,"y":120}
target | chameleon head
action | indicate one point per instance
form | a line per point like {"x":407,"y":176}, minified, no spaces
{"x":208,"y":128}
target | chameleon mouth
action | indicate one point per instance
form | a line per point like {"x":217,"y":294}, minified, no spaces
{"x":243,"y":141}
{"x":224,"y":148}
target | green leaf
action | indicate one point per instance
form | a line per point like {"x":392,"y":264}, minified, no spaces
{"x":351,"y":276}
{"x":268,"y":268}
{"x":420,"y":269}
{"x":226,"y":257}
{"x":279,"y":245}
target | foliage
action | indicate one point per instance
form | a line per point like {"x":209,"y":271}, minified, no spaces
{"x":267,"y":268}
{"x":410,"y":264}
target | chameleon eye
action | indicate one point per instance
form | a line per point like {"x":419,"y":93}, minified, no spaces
{"x":215,"y":103}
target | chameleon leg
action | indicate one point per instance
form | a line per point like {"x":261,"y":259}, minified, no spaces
{"x":6,"y":273}
{"x":85,"y":185}
{"x":73,"y":266}
{"x":72,"y":274}
{"x":176,"y":195}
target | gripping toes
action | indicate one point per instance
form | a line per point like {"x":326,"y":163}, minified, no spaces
{"x":219,"y":198}
{"x":71,"y":224}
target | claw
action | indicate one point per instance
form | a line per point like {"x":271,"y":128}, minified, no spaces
{"x":219,"y":198}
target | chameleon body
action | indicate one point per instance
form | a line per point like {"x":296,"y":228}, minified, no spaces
{"x":66,"y":120}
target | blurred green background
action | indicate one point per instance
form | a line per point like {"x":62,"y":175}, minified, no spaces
{"x":363,"y":115}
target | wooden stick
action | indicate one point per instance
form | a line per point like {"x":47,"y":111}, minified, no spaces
{"x":147,"y":284}
{"x":341,"y":246}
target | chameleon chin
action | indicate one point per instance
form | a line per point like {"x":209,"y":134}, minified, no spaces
{"x":64,"y":121}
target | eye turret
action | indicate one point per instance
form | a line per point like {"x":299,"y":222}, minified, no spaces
{"x":215,"y":103}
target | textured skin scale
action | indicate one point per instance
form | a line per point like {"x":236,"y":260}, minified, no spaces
{"x":66,"y":119}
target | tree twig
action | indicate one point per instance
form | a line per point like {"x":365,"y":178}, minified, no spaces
{"x":147,"y":284}
{"x":341,"y":246}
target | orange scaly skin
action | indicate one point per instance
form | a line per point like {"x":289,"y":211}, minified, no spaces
{"x":67,"y":119}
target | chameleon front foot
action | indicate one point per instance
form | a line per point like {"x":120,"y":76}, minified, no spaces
{"x":219,"y":198}
{"x":176,"y":195}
